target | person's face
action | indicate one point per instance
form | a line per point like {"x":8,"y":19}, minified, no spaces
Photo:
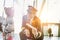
{"x":31,"y":13}
{"x":29,"y":10}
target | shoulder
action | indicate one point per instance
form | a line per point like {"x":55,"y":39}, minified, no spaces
{"x":25,"y":16}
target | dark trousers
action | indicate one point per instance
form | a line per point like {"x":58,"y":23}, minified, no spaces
{"x":24,"y":37}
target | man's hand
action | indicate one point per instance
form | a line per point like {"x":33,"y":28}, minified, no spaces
{"x":34,"y":30}
{"x":32,"y":27}
{"x":35,"y":33}
{"x":27,"y":33}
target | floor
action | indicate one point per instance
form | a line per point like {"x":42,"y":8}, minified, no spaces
{"x":16,"y":37}
{"x":51,"y":38}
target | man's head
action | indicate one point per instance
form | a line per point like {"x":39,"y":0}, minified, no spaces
{"x":31,"y":11}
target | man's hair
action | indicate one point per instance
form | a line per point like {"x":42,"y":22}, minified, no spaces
{"x":33,"y":9}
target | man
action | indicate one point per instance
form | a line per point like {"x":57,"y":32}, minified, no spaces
{"x":34,"y":21}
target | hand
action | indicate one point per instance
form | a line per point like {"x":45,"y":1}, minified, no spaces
{"x":35,"y":33}
{"x":27,"y":33}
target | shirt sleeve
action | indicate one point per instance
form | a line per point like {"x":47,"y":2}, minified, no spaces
{"x":24,"y":21}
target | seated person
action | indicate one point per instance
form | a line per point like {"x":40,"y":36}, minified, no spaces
{"x":50,"y":32}
{"x":34,"y":22}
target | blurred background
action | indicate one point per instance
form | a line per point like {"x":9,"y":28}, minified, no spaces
{"x":48,"y":12}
